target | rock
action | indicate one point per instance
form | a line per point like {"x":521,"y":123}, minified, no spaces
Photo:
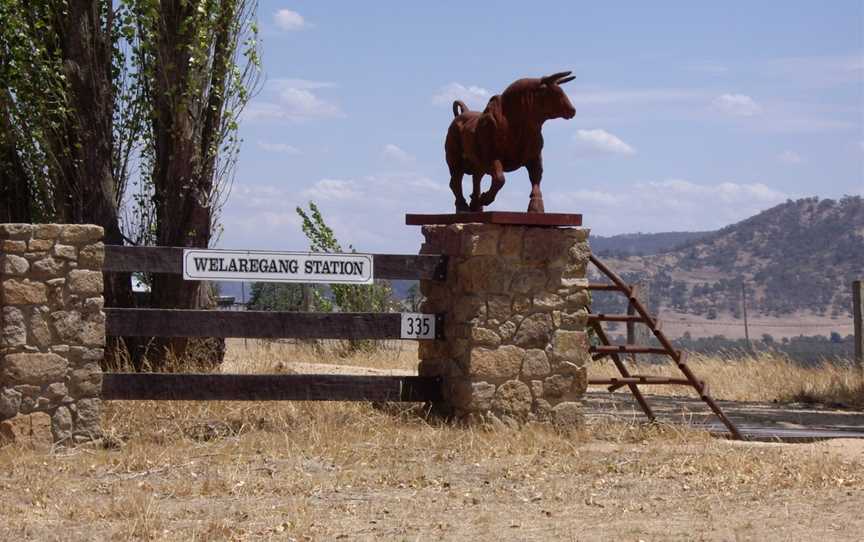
{"x":536,"y":389}
{"x":521,"y":303}
{"x":570,"y":345}
{"x":511,"y":241}
{"x":94,"y":304}
{"x":10,"y":403}
{"x":485,"y":337}
{"x":61,"y":424}
{"x":7,"y":433}
{"x":81,"y":233}
{"x":40,"y":245}
{"x":39,"y":330}
{"x":506,"y":330}
{"x":15,"y":231}
{"x":33,"y":368}
{"x":481,"y":395}
{"x":498,"y":307}
{"x":88,"y":414}
{"x":17,"y":247}
{"x":48,"y":267}
{"x":529,"y":281}
{"x":543,"y":245}
{"x":485,"y":274}
{"x":500,"y":363}
{"x":567,"y":415}
{"x":576,"y":235}
{"x":512,"y":397}
{"x":534,"y":331}
{"x":65,"y":252}
{"x":24,"y":292}
{"x":92,"y":256}
{"x":535,"y":364}
{"x":46,"y":231}
{"x":579,"y":300}
{"x":13,"y":265}
{"x":481,"y":241}
{"x":548,"y":302}
{"x":557,"y":385}
{"x":14,"y":327}
{"x":85,"y":282}
{"x":574,"y":320}
{"x":469,"y":307}
{"x":56,"y":390}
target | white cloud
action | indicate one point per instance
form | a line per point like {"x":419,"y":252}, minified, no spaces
{"x":282,"y":148}
{"x":790,"y":157}
{"x":738,"y":105}
{"x":474,"y":97}
{"x":289,"y":20}
{"x":670,"y":205}
{"x":600,"y":141}
{"x":294,"y":100}
{"x":333,"y":189}
{"x":393,"y":152}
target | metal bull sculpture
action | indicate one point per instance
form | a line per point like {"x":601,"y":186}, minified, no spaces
{"x":504,"y":137}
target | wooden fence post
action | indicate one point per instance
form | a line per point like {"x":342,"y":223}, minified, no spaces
{"x":858,"y":314}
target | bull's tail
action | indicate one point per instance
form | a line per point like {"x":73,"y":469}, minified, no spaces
{"x":457,"y":105}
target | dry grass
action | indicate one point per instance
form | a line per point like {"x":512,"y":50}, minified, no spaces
{"x":764,"y":377}
{"x":213,"y":471}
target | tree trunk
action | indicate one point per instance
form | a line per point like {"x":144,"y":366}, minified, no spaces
{"x":90,"y":190}
{"x":14,"y":182}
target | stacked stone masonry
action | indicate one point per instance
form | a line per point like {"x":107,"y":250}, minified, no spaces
{"x":516,"y":304}
{"x":53,"y":326}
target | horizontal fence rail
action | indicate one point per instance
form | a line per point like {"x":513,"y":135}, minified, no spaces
{"x":255,"y":324}
{"x":126,"y":259}
{"x":234,"y":387}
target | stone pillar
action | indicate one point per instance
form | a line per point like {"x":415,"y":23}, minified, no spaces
{"x":53,"y":326}
{"x":516,"y":304}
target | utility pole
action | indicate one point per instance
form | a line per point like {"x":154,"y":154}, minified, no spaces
{"x":744,"y":310}
{"x":858,"y":315}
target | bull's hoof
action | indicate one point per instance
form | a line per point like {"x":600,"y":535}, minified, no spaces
{"x":535,"y":205}
{"x":476,"y":206}
{"x":462,"y":206}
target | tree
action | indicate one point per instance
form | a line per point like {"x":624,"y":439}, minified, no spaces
{"x":94,"y":87}
{"x":376,"y":297}
{"x":267,"y":296}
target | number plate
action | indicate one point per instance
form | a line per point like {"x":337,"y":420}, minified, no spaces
{"x":418,"y":326}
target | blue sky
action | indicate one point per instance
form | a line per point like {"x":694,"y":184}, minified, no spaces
{"x":690,"y":115}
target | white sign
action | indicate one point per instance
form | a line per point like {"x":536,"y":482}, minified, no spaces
{"x":418,"y":326}
{"x":253,"y":265}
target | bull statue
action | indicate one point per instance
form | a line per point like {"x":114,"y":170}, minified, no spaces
{"x":504,"y":137}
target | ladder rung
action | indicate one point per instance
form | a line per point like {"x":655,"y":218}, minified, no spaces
{"x":634,"y":379}
{"x":604,"y":287}
{"x":627,"y":349}
{"x":615,"y":318}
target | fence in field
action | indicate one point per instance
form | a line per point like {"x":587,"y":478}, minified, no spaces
{"x":128,"y":322}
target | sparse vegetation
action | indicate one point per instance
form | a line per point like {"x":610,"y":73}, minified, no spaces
{"x":241,"y":471}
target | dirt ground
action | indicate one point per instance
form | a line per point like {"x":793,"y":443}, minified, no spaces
{"x":340,"y":471}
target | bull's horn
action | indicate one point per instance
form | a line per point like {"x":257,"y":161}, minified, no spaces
{"x":549,"y":79}
{"x":565,"y":80}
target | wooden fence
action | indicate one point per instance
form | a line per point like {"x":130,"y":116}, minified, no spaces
{"x":263,"y":324}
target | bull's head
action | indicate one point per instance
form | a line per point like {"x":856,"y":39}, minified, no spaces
{"x":551,"y":99}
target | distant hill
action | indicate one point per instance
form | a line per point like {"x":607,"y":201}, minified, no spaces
{"x":795,"y":260}
{"x":642,"y":244}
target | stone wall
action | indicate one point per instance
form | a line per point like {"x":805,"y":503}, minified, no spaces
{"x":516,"y":304}
{"x":53,"y":326}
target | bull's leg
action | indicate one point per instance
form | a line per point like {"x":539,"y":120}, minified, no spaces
{"x":475,"y":193}
{"x":456,"y":187}
{"x":497,"y":184}
{"x":535,"y":174}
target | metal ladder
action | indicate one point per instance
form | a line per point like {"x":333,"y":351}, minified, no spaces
{"x":637,"y":313}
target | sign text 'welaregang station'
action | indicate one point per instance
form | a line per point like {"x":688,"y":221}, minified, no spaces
{"x":277,"y":266}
